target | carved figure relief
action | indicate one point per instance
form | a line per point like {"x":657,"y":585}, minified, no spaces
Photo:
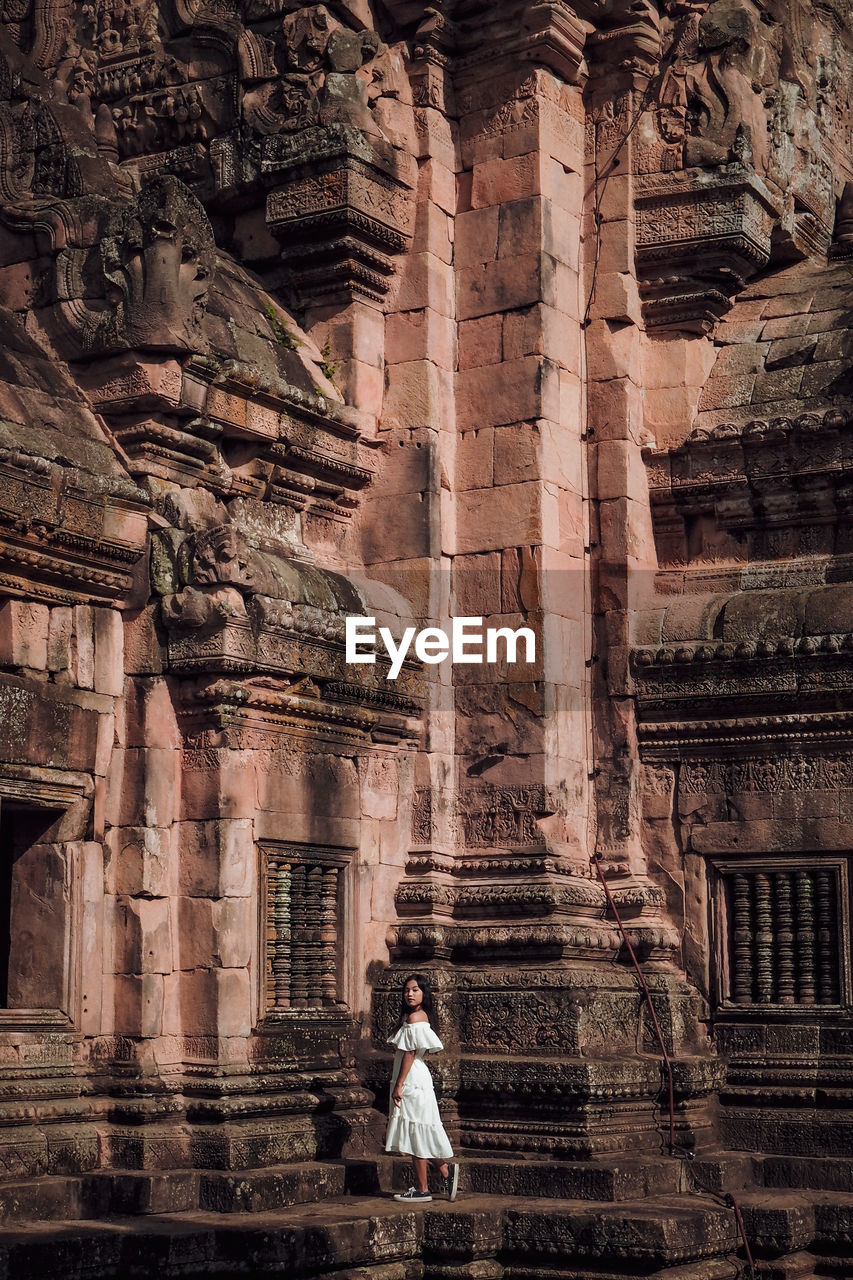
{"x":143,"y":285}
{"x":158,"y":254}
{"x":495,"y":816}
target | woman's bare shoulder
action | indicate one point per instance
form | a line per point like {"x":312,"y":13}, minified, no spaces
{"x":417,"y":1015}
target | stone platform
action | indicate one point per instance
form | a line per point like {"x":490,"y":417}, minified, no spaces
{"x":643,"y":1219}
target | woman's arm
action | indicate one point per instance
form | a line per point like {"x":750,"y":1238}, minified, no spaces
{"x":405,"y":1067}
{"x":417,"y":1015}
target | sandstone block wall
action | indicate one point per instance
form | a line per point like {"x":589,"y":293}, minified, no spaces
{"x":530,"y":313}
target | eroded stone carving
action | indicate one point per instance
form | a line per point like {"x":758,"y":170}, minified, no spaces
{"x":155,"y":258}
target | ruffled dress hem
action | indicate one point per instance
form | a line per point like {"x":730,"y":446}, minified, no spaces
{"x":410,"y":1138}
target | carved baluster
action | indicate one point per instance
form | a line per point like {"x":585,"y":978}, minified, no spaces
{"x":269,"y":932}
{"x":279,"y":917}
{"x":313,"y":935}
{"x":763,"y":939}
{"x":785,"y":990}
{"x":827,"y":959}
{"x":805,"y":938}
{"x":329,"y":974}
{"x":301,"y":944}
{"x":742,"y":940}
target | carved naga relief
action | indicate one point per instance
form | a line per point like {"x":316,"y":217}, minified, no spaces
{"x":708,"y":91}
{"x":143,"y":285}
{"x":744,"y":78}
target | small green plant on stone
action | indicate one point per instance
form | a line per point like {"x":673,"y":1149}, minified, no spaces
{"x":280,"y":329}
{"x":327,"y":364}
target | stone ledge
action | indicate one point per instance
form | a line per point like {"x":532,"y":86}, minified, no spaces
{"x":666,"y":1236}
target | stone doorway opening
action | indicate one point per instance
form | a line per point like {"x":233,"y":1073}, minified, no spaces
{"x":35,"y":910}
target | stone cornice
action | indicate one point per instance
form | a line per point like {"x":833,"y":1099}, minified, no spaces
{"x":484,"y":898}
{"x":550,"y":35}
{"x":754,"y":477}
{"x":238,"y":646}
{"x":590,"y":940}
{"x":308,"y":449}
{"x":67,"y":537}
{"x":659,"y":738}
{"x":246,"y":716}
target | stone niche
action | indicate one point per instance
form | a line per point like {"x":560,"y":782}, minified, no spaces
{"x":40,"y":914}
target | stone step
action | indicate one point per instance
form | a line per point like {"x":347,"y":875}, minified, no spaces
{"x":106,"y":1193}
{"x":823,"y":1173}
{"x":261,"y":1190}
{"x":665,"y":1237}
{"x":631,"y":1178}
{"x":780,"y":1222}
{"x":110,"y":1193}
{"x":612,"y":1180}
{"x":362,"y":1238}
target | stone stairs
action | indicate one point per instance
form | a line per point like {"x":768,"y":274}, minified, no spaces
{"x":106,"y":1193}
{"x":121,"y":1193}
{"x":672,"y":1237}
{"x":639,"y":1217}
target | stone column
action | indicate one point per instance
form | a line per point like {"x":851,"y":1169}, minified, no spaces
{"x":512,"y":923}
{"x":520,"y":538}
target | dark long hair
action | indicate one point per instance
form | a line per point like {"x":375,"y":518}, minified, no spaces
{"x":428,"y":1005}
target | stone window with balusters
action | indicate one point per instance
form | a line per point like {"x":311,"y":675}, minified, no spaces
{"x":780,"y":926}
{"x":303,"y":890}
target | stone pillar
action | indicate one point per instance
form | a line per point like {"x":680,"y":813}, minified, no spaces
{"x":520,"y":532}
{"x":509,"y":918}
{"x":620,"y":360}
{"x":407,"y":517}
{"x":624,"y":551}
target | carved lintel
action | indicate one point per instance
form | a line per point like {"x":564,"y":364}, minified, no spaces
{"x":211,"y":630}
{"x":242,"y":715}
{"x":700,"y":235}
{"x":125,"y":384}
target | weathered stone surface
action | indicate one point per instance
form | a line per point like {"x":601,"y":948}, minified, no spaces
{"x":572,"y":355}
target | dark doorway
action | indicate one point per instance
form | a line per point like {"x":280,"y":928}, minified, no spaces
{"x":28,"y":903}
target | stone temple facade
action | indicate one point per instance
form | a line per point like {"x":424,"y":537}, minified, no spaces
{"x":533,"y":311}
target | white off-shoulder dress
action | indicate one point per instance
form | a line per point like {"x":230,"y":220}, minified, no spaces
{"x":415,"y":1128}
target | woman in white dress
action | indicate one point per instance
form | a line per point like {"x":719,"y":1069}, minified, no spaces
{"x":414,"y":1124}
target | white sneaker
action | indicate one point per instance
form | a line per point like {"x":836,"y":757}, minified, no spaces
{"x":451,"y":1182}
